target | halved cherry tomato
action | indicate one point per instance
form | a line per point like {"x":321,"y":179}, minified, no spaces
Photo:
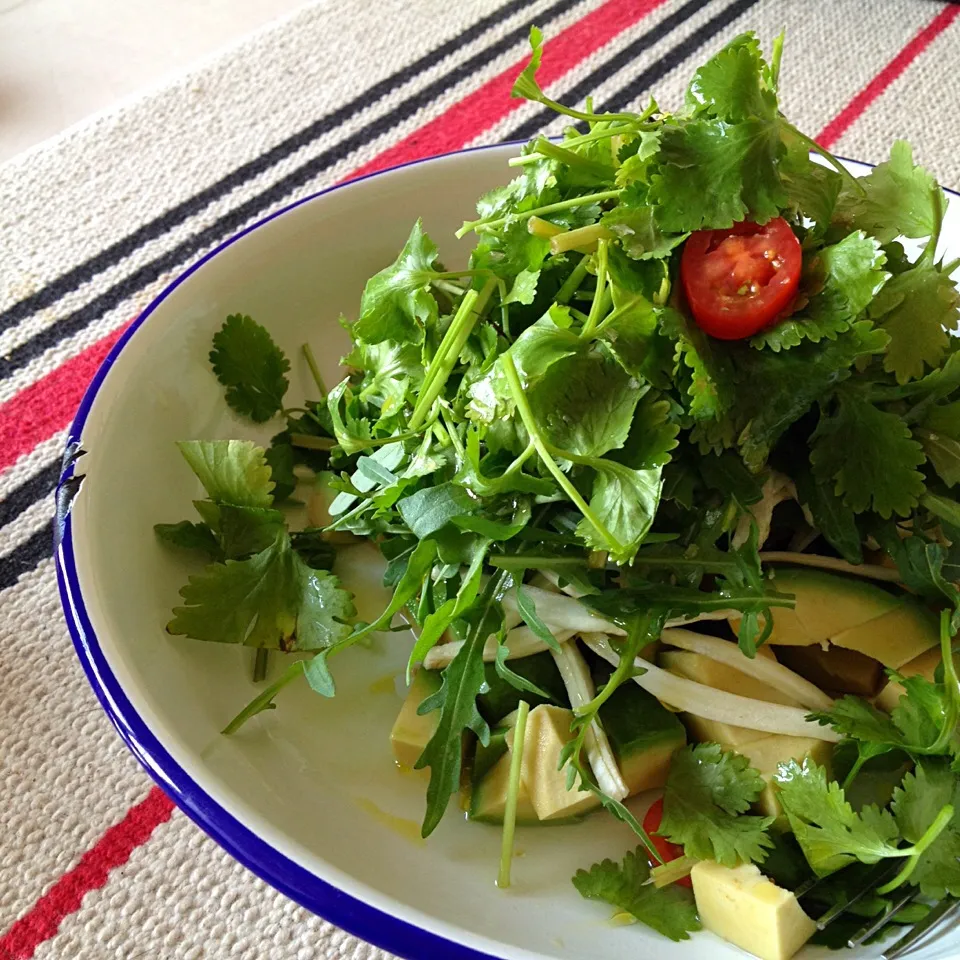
{"x":738,"y":281}
{"x":668,"y":851}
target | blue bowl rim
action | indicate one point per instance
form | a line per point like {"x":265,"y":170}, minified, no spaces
{"x":281,"y":872}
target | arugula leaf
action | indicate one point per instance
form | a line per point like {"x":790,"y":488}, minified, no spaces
{"x":397,"y":302}
{"x":830,"y":834}
{"x":916,"y":308}
{"x":527,"y":608}
{"x":272,"y":600}
{"x":251,"y":366}
{"x":705,"y":806}
{"x":456,"y":700}
{"x":916,"y":805}
{"x":870,"y":455}
{"x":669,"y":910}
{"x":231,"y":471}
{"x":189,"y":536}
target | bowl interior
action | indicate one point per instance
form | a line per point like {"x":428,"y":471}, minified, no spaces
{"x":315,"y":778}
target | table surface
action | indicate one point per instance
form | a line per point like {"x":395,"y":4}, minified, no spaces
{"x":94,"y":861}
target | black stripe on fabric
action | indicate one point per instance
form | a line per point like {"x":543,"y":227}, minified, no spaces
{"x":67,"y":282}
{"x":234,"y":219}
{"x":642,"y":83}
{"x":32,"y":489}
{"x":27,"y":556}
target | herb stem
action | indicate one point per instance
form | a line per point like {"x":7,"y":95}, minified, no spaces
{"x":605,"y":133}
{"x":930,"y":250}
{"x":593,"y":318}
{"x":513,"y":792}
{"x":915,"y":852}
{"x":951,"y":687}
{"x":529,"y":421}
{"x":572,"y":283}
{"x":309,"y":442}
{"x":445,"y":358}
{"x":827,"y":155}
{"x":492,"y":224}
{"x":265,"y":700}
{"x":314,"y":369}
{"x":520,"y":460}
{"x":622,"y":673}
{"x":260,"y":662}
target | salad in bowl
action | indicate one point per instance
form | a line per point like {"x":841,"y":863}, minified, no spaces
{"x":662,"y":483}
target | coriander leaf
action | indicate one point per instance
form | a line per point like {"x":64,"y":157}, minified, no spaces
{"x":705,"y":806}
{"x":314,"y":550}
{"x":456,"y":700}
{"x":943,"y":452}
{"x":431,"y":508}
{"x":251,"y":366}
{"x":524,"y":287}
{"x":916,"y":804}
{"x":625,"y":501}
{"x":271,"y":600}
{"x":870,"y":455}
{"x":634,"y":223}
{"x":669,"y":910}
{"x":898,"y":199}
{"x":189,"y":536}
{"x":244,"y":531}
{"x":390,"y":370}
{"x":830,"y":833}
{"x":831,"y":516}
{"x":735,"y":84}
{"x":916,"y":308}
{"x":280,"y":459}
{"x":231,"y":471}
{"x":652,"y":435}
{"x":714,"y":174}
{"x":397,"y":301}
{"x":813,"y":188}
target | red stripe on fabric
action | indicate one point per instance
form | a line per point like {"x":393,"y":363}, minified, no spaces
{"x":43,"y":408}
{"x":490,"y":103}
{"x":112,"y":850}
{"x":852,"y":112}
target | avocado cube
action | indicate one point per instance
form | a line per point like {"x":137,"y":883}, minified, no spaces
{"x":742,"y":906}
{"x":895,"y":638}
{"x":644,"y":736}
{"x":491,"y":782}
{"x":412,"y":732}
{"x":548,"y":731}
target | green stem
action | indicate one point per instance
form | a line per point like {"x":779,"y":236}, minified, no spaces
{"x":553,"y":151}
{"x":621,"y":674}
{"x":529,"y":421}
{"x":520,"y":460}
{"x":513,"y":792}
{"x":854,"y":770}
{"x":314,"y":369}
{"x":572,"y":283}
{"x":593,"y":318}
{"x":491,"y":224}
{"x":827,"y":155}
{"x":309,"y":442}
{"x":947,"y":269}
{"x":930,"y":250}
{"x":915,"y":852}
{"x":264,"y":701}
{"x":260,"y":663}
{"x":445,"y":359}
{"x":951,"y":686}
{"x":608,"y":132}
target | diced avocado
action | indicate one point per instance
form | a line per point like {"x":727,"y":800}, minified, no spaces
{"x":491,"y":780}
{"x":766,"y":753}
{"x":895,"y":638}
{"x":411,"y":732}
{"x":502,"y":697}
{"x":644,"y":736}
{"x":695,"y":666}
{"x":836,"y":669}
{"x":826,"y":604}
{"x":548,"y":730}
{"x":742,"y":906}
{"x":923,"y":666}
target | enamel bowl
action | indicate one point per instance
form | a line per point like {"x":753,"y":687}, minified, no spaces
{"x":307,"y":796}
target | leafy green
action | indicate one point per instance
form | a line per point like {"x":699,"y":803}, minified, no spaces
{"x":231,"y":471}
{"x":251,"y":366}
{"x":272,"y":600}
{"x":189,"y":536}
{"x":705,"y":806}
{"x":669,"y":910}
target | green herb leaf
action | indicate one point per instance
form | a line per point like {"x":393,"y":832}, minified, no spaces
{"x":231,"y":471}
{"x":189,"y":536}
{"x":669,"y":910}
{"x":705,"y":806}
{"x":251,"y":366}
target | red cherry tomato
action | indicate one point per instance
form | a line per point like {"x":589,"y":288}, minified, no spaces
{"x":738,"y":281}
{"x":668,"y":851}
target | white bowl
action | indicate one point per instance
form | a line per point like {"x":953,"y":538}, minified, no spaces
{"x":306,"y":796}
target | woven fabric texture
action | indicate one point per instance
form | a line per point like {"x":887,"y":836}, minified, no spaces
{"x":94,"y":861}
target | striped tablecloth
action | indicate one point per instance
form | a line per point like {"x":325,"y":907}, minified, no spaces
{"x":94,"y":861}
